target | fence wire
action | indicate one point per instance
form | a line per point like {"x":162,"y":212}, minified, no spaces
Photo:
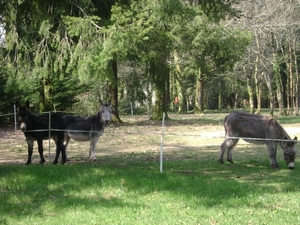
{"x":158,"y":137}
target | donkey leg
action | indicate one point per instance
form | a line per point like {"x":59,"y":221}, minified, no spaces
{"x":66,"y":142}
{"x":229,"y":151}
{"x":57,"y":152}
{"x":272,"y":150}
{"x":41,"y":151}
{"x":228,"y":145}
{"x":60,"y":148}
{"x":30,"y":150}
{"x":93,"y":143}
{"x":223,"y":149}
{"x":63,"y":153}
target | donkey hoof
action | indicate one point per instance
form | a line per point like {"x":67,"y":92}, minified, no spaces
{"x":275,"y":167}
{"x":221,"y":161}
{"x":55,"y":162}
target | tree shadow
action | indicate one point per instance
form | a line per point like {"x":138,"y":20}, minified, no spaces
{"x":87,"y":184}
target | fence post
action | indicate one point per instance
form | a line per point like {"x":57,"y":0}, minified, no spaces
{"x":49,"y":131}
{"x":162,"y":143}
{"x":15,"y":117}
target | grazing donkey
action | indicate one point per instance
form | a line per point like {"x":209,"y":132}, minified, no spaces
{"x":251,"y":126}
{"x":88,"y":128}
{"x":36,"y":128}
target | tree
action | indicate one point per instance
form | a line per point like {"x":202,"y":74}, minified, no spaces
{"x":153,"y":29}
{"x":217,"y":52}
{"x":35,"y":42}
{"x":274,"y":26}
{"x":70,"y":44}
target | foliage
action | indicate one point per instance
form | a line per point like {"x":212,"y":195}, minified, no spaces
{"x":6,"y":96}
{"x":33,"y":31}
{"x":68,"y":45}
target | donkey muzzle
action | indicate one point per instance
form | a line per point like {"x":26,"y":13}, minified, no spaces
{"x":23,"y":126}
{"x":291,"y":165}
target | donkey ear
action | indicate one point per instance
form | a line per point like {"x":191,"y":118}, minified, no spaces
{"x":284,"y":143}
{"x":295,"y":139}
{"x":27,"y":104}
{"x":100,"y":101}
{"x":17,"y":105}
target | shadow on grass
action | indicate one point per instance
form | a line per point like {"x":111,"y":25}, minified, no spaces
{"x":26,"y":189}
{"x":176,"y":120}
{"x":195,"y":119}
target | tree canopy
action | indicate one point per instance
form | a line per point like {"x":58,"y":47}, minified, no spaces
{"x":148,"y":52}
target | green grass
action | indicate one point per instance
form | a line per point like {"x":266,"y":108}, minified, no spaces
{"x":127,"y":188}
{"x":130,"y":190}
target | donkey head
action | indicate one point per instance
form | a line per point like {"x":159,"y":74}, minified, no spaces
{"x":289,"y":152}
{"x":105,"y":112}
{"x":23,"y":112}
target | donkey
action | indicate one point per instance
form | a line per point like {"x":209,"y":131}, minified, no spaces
{"x":260,"y":130}
{"x":88,"y":128}
{"x":36,"y":128}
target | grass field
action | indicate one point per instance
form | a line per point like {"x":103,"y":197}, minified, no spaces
{"x":124,"y":186}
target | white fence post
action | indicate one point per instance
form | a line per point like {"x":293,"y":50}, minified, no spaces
{"x":15,"y":117}
{"x":49,"y":131}
{"x":162,"y":143}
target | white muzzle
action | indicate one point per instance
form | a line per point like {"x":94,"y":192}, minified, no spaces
{"x":291,"y":165}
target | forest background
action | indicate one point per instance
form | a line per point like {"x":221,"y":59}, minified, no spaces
{"x":156,"y":55}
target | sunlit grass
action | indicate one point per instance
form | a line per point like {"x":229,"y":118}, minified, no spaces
{"x":122,"y":190}
{"x":125,"y":186}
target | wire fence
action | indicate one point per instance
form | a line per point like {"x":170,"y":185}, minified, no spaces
{"x":138,"y":140}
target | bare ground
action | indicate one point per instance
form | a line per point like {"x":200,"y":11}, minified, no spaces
{"x":189,"y":135}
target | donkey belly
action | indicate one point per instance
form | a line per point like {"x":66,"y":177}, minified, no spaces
{"x":37,"y":136}
{"x":257,"y":142}
{"x":80,"y":136}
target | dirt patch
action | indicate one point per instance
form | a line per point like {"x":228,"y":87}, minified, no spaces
{"x":195,"y":136}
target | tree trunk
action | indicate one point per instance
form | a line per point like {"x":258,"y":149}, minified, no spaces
{"x":45,"y":96}
{"x":266,"y":77}
{"x":291,"y":80}
{"x":257,"y":81}
{"x":236,"y":95}
{"x":113,"y":93}
{"x":251,"y":95}
{"x":182,"y":107}
{"x":219,"y":101}
{"x":271,"y":96}
{"x":282,"y":111}
{"x":296,"y":83}
{"x":250,"y":90}
{"x":181,"y":89}
{"x":279,"y":86}
{"x":160,"y":73}
{"x":200,"y":93}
